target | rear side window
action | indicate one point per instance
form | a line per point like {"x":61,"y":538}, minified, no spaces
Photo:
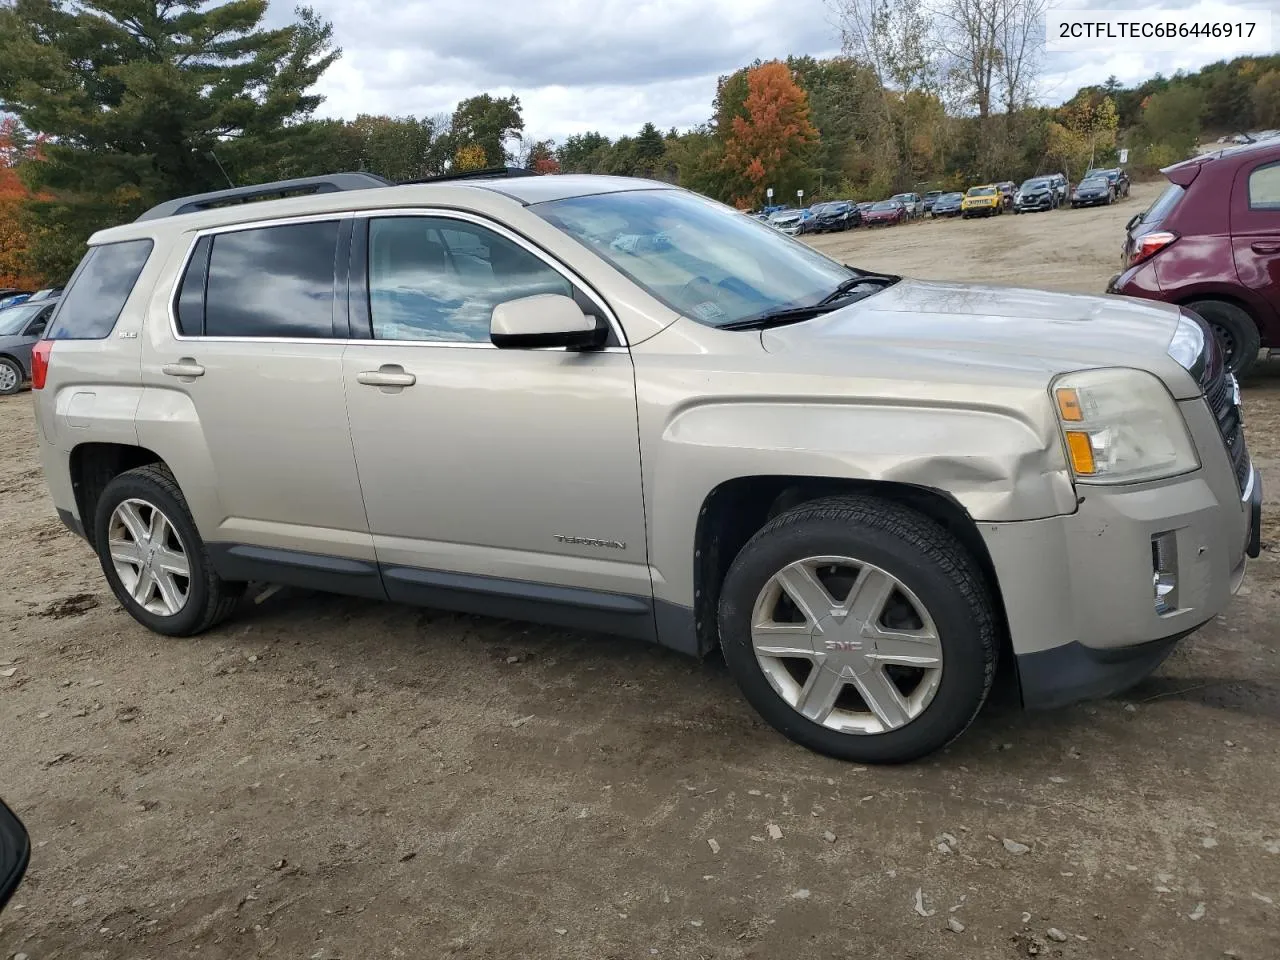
{"x":99,"y":289}
{"x":1264,"y":188}
{"x":265,"y":282}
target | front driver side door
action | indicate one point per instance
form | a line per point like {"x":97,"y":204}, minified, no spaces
{"x":504,"y":482}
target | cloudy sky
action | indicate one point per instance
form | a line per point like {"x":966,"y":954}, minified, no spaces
{"x":610,"y":65}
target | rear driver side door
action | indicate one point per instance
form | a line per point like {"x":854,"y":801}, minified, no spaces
{"x":504,"y":482}
{"x":1255,"y":234}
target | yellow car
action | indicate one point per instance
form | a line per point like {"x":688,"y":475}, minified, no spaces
{"x":982,"y":202}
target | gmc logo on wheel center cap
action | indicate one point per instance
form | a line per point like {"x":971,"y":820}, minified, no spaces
{"x":843,"y":644}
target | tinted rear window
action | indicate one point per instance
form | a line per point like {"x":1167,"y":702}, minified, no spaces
{"x":1164,"y":204}
{"x":99,"y":289}
{"x":270,"y":282}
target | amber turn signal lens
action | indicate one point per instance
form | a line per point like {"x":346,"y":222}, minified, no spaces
{"x":1081,"y":450}
{"x":1069,"y":405}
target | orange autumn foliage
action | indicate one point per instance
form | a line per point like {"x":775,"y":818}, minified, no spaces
{"x":13,"y":193}
{"x":774,"y":134}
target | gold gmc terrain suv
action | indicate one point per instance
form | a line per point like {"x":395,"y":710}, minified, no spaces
{"x":613,"y":405}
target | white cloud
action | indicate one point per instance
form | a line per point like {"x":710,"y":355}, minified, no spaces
{"x":611,"y":65}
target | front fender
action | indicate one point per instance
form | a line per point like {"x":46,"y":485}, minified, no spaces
{"x":996,"y":465}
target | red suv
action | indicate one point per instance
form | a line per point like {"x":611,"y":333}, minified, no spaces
{"x":1211,"y":242}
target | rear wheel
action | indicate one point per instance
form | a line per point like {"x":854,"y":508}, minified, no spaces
{"x":1236,"y":332}
{"x":10,"y":377}
{"x":153,"y":557}
{"x":859,"y":629}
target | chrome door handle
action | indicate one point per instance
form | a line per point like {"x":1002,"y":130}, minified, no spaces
{"x":186,"y":367}
{"x":388,"y":375}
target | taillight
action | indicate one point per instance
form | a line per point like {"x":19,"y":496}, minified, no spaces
{"x":1149,"y":244}
{"x":40,"y":363}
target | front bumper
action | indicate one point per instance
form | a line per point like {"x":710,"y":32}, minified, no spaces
{"x":1079,"y":592}
{"x":1035,"y":203}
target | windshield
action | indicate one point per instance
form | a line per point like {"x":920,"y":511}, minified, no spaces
{"x":904,"y":197}
{"x":1094,"y":182}
{"x":713,"y":264}
{"x":982,"y":191}
{"x":15,"y":319}
{"x":886,"y":205}
{"x":950,"y":197}
{"x":1035,"y":185}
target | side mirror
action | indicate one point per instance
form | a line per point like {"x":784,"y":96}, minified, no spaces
{"x":15,"y":852}
{"x":545,"y":320}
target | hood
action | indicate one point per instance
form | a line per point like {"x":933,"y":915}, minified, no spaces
{"x":999,"y":334}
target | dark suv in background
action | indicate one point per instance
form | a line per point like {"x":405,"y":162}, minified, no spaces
{"x":1211,"y":242}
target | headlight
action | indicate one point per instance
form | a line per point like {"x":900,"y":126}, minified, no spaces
{"x":1121,"y":426}
{"x":1187,"y":345}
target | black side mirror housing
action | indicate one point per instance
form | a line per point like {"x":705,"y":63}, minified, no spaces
{"x":15,"y":853}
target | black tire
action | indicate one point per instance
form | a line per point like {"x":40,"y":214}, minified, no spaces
{"x":12,"y":367}
{"x":210,"y":599}
{"x":924,"y":557}
{"x":1236,"y":332}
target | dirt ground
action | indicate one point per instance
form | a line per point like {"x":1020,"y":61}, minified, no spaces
{"x":331,"y":778}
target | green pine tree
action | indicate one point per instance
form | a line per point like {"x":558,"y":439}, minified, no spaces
{"x":149,"y":99}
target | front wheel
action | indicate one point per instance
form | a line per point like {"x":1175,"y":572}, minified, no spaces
{"x":10,"y":377}
{"x":153,"y":557}
{"x":860,"y":629}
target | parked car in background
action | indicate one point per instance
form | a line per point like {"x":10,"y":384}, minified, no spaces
{"x":792,"y":222}
{"x":20,"y":327}
{"x":1092,"y":192}
{"x":930,"y":198}
{"x":982,"y":201}
{"x":886,"y":213}
{"x":948,"y":205}
{"x":1035,"y":194}
{"x":835,"y":215}
{"x":913,"y":203}
{"x":863,"y":490}
{"x":1115,"y":176}
{"x":1007,"y":189}
{"x":11,"y":297}
{"x":1211,"y":243}
{"x":864,"y":206}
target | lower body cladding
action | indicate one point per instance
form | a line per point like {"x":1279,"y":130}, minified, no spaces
{"x":1096,"y":600}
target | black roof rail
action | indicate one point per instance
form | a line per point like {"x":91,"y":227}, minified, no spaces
{"x":488,"y":173}
{"x":329,"y":183}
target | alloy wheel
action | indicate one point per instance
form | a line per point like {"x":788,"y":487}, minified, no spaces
{"x":8,"y":378}
{"x":149,"y":557}
{"x":846,"y":644}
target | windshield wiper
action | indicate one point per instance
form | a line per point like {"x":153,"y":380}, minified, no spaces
{"x":847,"y":287}
{"x":847,"y":290}
{"x":778,"y":318}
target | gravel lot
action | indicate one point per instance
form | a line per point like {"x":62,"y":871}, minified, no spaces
{"x":331,"y":778}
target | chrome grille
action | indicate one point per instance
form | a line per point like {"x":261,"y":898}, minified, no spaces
{"x":1220,"y":393}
